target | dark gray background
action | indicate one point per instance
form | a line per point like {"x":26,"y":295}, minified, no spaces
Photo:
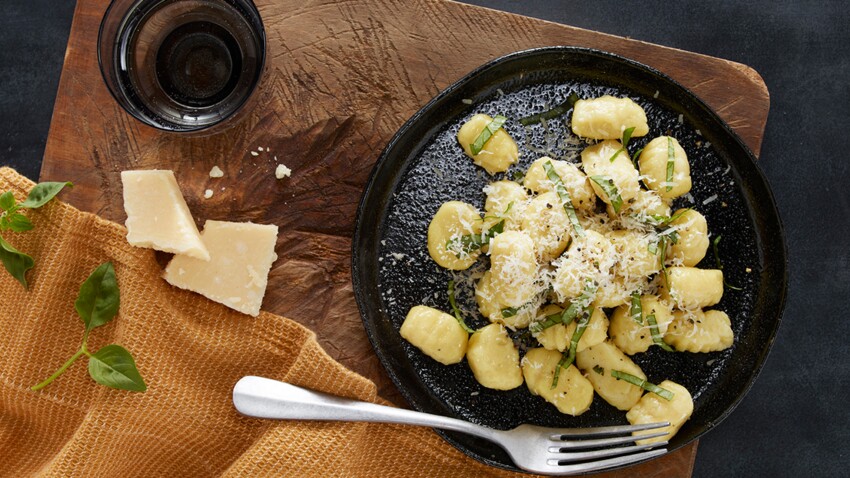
{"x":796,"y":420}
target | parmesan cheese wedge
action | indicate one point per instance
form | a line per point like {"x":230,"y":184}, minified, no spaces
{"x":241,"y":255}
{"x":157,"y":214}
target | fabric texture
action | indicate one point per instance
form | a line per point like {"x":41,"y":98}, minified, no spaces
{"x":190,"y":352}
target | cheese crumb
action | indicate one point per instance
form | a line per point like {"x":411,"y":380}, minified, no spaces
{"x":216,"y":172}
{"x":208,"y":193}
{"x":282,"y":171}
{"x":260,"y":148}
{"x":254,"y":153}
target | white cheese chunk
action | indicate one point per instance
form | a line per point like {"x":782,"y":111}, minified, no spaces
{"x":216,"y":172}
{"x":282,"y":171}
{"x":241,"y":255}
{"x":157,"y":214}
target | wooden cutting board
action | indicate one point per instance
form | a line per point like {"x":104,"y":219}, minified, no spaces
{"x":342,"y":78}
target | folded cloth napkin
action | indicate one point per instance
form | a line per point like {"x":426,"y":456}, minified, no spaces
{"x":190,"y":352}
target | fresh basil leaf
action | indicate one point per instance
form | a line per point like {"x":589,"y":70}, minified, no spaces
{"x":7,"y":201}
{"x":15,"y":261}
{"x":607,"y":185}
{"x":509,"y":312}
{"x":98,"y":300}
{"x":19,"y":223}
{"x":114,"y":367}
{"x":649,"y":387}
{"x":552,"y":113}
{"x":671,"y":157}
{"x":627,"y":136}
{"x":486,"y":134}
{"x":565,"y":197}
{"x":42,"y":193}
{"x":636,"y":309}
{"x":635,"y":158}
{"x":456,"y":311}
{"x":657,"y":337}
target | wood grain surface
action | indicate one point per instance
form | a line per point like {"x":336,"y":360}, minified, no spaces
{"x":341,"y":78}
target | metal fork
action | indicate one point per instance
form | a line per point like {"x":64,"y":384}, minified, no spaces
{"x":532,"y":448}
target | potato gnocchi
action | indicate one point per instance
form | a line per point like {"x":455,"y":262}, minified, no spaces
{"x":587,"y":267}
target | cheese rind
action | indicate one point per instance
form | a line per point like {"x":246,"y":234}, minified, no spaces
{"x":241,"y":256}
{"x":157,"y":215}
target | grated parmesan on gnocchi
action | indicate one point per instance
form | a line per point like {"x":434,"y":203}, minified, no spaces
{"x":586,"y":262}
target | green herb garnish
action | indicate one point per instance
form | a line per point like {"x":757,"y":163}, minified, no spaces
{"x":671,"y":157}
{"x":486,"y":134}
{"x":552,"y":113}
{"x":656,"y":335}
{"x":516,"y":176}
{"x":469,"y":243}
{"x":665,"y":239}
{"x":635,"y":158}
{"x":564,"y":195}
{"x":649,"y":387}
{"x":510,"y":311}
{"x":658,"y":220}
{"x":599,"y":370}
{"x":569,"y":356}
{"x":627,"y":136}
{"x":607,"y":185}
{"x":97,"y":304}
{"x":636,"y":309}
{"x":719,"y":265}
{"x":15,"y":261}
{"x":456,"y":311}
{"x":577,"y":306}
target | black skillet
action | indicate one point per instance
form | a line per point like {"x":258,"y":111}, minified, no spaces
{"x":423,"y":166}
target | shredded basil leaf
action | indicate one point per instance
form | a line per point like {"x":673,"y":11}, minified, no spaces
{"x":649,"y":387}
{"x":516,"y":176}
{"x":656,"y":335}
{"x":719,"y":265}
{"x":627,"y":136}
{"x":469,"y":243}
{"x":456,"y":311}
{"x":636,"y":310}
{"x":486,"y":134}
{"x":671,"y":157}
{"x":510,"y":311}
{"x":599,"y":370}
{"x":565,"y":197}
{"x":607,"y":185}
{"x":577,"y":306}
{"x":570,"y":355}
{"x":552,"y":113}
{"x":635,"y":158}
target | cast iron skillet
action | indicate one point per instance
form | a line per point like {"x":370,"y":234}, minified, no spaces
{"x":423,"y":166}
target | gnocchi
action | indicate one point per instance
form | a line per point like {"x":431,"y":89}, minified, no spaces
{"x":437,"y":334}
{"x":566,"y":243}
{"x":499,"y":152}
{"x":493,"y":358}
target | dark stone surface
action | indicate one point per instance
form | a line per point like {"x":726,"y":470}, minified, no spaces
{"x":795,"y":420}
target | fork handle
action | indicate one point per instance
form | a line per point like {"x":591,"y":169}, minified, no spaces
{"x":265,"y":398}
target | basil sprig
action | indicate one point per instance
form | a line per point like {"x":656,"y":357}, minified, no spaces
{"x":627,"y":136}
{"x":469,"y":243}
{"x":610,"y":189}
{"x":671,"y":157}
{"x":16,"y":262}
{"x":564,"y":195}
{"x":456,"y":311}
{"x":97,"y":304}
{"x":486,"y":134}
{"x":649,"y":387}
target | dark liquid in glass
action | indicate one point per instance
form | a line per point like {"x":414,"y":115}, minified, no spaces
{"x":189,"y":64}
{"x":198,"y":64}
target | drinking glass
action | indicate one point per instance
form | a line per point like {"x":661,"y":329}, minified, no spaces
{"x":182,"y":65}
